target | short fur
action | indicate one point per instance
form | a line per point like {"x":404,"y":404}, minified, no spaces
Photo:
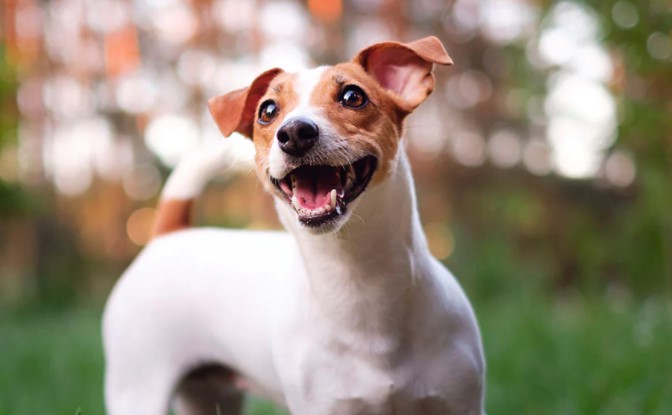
{"x":352,"y":317}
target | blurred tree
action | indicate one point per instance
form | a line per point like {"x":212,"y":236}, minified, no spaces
{"x":640,"y":37}
{"x":586,"y":235}
{"x":13,"y":200}
{"x":509,"y":226}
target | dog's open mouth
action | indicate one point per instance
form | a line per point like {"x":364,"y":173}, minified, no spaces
{"x":320,"y":193}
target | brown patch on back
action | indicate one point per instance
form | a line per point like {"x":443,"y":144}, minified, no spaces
{"x":173,"y":215}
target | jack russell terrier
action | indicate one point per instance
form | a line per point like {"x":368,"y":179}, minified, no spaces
{"x":347,"y":313}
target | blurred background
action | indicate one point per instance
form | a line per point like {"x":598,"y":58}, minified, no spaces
{"x":543,"y":163}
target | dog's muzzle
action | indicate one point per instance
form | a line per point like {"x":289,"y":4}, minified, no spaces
{"x":298,"y":135}
{"x":320,"y":193}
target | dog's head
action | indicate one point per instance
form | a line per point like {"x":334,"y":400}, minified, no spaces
{"x":323,"y":135}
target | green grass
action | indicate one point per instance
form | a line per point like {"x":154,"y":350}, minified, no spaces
{"x":572,"y":357}
{"x":578,"y":358}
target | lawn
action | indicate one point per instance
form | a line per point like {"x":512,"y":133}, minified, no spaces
{"x":562,"y":357}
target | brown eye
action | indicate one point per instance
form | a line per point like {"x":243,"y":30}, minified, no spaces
{"x":353,"y":97}
{"x":268,"y":110}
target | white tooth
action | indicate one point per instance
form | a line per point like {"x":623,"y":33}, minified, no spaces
{"x":332,"y":202}
{"x":295,"y":202}
{"x":318,"y":211}
{"x":327,"y":208}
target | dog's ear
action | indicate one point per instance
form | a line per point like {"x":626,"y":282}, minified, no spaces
{"x":236,"y":110}
{"x":405,"y":68}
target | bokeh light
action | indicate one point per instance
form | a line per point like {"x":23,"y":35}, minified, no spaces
{"x":504,"y":148}
{"x":139,"y":225}
{"x":171,"y":136}
{"x":440,"y":240}
{"x":625,"y":14}
{"x":142,"y":181}
{"x":541,"y":163}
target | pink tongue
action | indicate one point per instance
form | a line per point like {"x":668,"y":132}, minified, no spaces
{"x":313,"y":185}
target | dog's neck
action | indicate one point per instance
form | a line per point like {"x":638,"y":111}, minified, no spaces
{"x":363,"y":277}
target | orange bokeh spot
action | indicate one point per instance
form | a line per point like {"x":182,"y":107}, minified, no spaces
{"x":122,"y":53}
{"x":326,"y":10}
{"x":139,"y":225}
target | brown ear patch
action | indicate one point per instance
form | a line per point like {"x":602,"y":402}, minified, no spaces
{"x":405,"y":68}
{"x":236,"y":110}
{"x":430,"y":49}
{"x":373,"y":129}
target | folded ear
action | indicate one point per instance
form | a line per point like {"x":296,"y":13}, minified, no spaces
{"x":236,"y":110}
{"x":405,"y":68}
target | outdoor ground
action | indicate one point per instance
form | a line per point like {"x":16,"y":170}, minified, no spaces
{"x":562,"y":357}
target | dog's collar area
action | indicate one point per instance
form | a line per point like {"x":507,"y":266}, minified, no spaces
{"x":319,"y":193}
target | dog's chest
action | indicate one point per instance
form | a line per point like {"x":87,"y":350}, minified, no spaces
{"x":335,"y":381}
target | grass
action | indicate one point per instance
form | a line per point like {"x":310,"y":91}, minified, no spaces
{"x":562,"y":357}
{"x":578,"y":358}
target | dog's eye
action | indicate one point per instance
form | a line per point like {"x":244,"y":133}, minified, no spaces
{"x":268,"y":110}
{"x":352,"y":96}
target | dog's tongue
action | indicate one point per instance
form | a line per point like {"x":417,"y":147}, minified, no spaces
{"x":313,"y":184}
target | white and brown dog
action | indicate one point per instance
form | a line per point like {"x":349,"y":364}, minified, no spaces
{"x":347,"y":313}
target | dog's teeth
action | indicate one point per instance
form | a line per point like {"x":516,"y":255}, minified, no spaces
{"x":327,"y":208}
{"x":332,"y":201}
{"x":318,"y":211}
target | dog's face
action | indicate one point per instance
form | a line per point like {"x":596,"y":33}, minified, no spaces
{"x":323,"y":135}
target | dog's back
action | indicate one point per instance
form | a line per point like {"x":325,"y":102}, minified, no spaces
{"x":178,"y":308}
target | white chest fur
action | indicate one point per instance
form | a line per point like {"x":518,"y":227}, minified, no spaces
{"x":376,"y":325}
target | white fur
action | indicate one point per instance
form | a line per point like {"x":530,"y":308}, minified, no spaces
{"x":196,"y":168}
{"x":360,"y":321}
{"x":305,"y":84}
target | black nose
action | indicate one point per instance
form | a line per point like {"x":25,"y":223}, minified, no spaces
{"x":297,"y":136}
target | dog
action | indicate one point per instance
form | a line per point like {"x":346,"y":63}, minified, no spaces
{"x":346,"y":313}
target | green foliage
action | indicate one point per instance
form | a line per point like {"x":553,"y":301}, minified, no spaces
{"x":569,"y":357}
{"x":577,"y":357}
{"x":641,"y":234}
{"x":51,"y":364}
{"x":8,"y":111}
{"x":515,"y":229}
{"x":13,"y":200}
